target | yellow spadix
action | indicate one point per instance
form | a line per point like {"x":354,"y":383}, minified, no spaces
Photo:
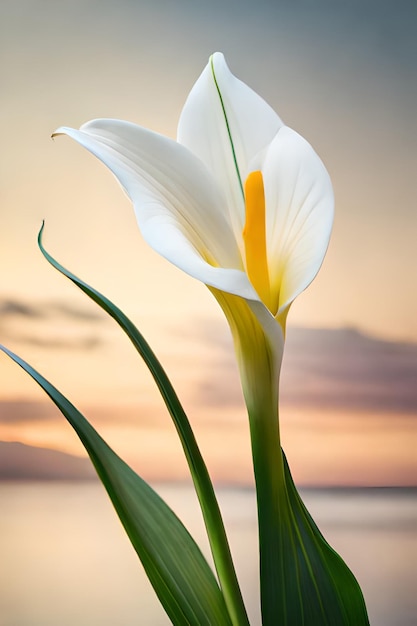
{"x":254,"y":236}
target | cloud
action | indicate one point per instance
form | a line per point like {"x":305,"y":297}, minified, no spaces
{"x":344,"y":368}
{"x":56,"y":343}
{"x":16,"y":411}
{"x":33,"y":324}
{"x":12,"y":308}
{"x":323,"y":368}
{"x":17,"y":308}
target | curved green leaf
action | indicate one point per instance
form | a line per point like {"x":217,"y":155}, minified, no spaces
{"x":179,"y":573}
{"x":202,"y":482}
{"x":329,"y":591}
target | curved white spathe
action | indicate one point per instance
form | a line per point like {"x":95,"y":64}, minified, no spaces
{"x":178,"y":205}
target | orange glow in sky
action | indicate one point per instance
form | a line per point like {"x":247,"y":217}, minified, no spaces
{"x":348,"y":402}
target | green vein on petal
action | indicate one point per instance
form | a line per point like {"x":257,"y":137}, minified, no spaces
{"x":227,"y":126}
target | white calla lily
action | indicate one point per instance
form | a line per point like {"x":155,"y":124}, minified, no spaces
{"x":189,"y":195}
{"x":242,"y":203}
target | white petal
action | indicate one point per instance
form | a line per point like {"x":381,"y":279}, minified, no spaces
{"x":299,"y":205}
{"x":221,"y":111}
{"x":177,"y":203}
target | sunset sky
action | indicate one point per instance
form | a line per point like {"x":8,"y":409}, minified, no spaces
{"x":344,"y":75}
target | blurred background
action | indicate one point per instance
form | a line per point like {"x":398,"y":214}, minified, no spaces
{"x":344,"y":76}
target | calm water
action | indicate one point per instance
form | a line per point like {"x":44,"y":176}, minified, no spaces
{"x":64,"y":559}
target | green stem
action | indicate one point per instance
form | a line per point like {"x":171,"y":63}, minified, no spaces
{"x":262,"y":402}
{"x":259,"y":366}
{"x":268,"y":485}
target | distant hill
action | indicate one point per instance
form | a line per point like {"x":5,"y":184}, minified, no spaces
{"x":22,"y":462}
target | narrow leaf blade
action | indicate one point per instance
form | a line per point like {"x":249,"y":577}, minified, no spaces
{"x":204,"y":488}
{"x":175,"y":566}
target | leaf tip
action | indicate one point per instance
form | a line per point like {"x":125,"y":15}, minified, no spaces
{"x":40,"y":234}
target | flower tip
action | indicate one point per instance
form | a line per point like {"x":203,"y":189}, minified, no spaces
{"x":216,"y":57}
{"x":59,"y":131}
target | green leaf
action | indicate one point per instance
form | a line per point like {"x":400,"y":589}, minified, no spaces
{"x":327,"y":592}
{"x":179,"y":573}
{"x":203,"y":485}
